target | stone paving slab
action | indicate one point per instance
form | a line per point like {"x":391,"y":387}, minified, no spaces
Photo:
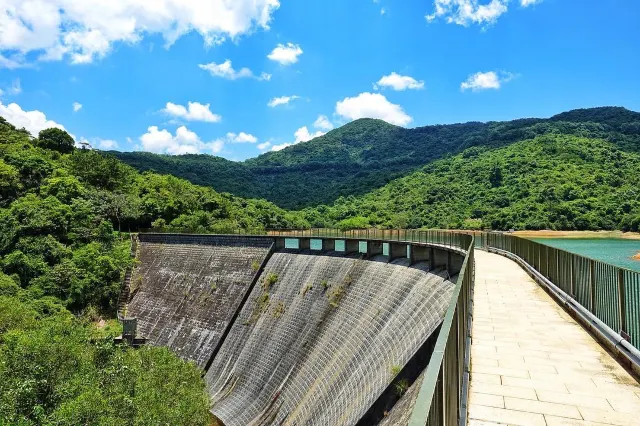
{"x":532,"y":364}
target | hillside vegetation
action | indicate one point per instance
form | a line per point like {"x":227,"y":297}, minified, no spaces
{"x":367,"y":154}
{"x":61,"y":265}
{"x":549,"y":182}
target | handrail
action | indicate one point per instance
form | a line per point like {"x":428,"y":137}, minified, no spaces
{"x":442,"y":398}
{"x":608,"y":292}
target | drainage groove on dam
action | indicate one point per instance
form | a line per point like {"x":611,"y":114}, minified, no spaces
{"x":185,"y":293}
{"x":324,"y":340}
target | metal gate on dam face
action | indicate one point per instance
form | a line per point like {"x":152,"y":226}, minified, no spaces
{"x":303,"y":330}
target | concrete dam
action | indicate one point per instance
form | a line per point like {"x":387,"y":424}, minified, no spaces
{"x":296,"y":331}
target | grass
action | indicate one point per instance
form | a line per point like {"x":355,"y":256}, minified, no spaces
{"x":336,"y":295}
{"x":269,"y":280}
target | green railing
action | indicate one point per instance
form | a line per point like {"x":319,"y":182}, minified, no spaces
{"x":610,"y":293}
{"x":442,"y":399}
{"x":446,"y":238}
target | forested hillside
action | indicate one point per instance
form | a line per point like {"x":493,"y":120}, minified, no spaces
{"x":550,"y":182}
{"x":367,"y":154}
{"x":61,"y":265}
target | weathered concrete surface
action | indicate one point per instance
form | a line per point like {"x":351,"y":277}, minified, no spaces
{"x":532,"y":364}
{"x":321,"y":343}
{"x":187,"y":293}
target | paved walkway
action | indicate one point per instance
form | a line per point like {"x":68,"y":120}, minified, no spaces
{"x":532,"y":364}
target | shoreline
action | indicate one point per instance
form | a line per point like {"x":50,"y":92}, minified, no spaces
{"x":580,"y":234}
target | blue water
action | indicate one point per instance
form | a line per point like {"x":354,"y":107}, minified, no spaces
{"x":614,"y":251}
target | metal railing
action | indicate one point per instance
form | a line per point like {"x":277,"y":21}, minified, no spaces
{"x":610,"y":293}
{"x":442,"y":399}
{"x":446,"y":238}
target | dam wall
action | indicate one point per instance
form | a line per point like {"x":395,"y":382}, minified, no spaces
{"x":322,"y":336}
{"x":186,"y":289}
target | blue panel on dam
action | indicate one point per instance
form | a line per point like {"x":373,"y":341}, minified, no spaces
{"x":316,"y":244}
{"x":385,"y":249}
{"x":362,"y":246}
{"x":292,"y":243}
{"x":341,"y":245}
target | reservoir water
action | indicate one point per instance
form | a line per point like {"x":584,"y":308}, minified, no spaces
{"x":617,"y":252}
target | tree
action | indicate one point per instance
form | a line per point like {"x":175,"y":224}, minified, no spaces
{"x":57,"y":140}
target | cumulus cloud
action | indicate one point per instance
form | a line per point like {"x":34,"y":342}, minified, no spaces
{"x":301,"y":135}
{"x":77,"y":106}
{"x":83,"y":30}
{"x":183,"y":142}
{"x":241,"y":137}
{"x":525,"y":3}
{"x":486,"y":80}
{"x":285,"y":54}
{"x":372,"y":105}
{"x":106,"y":144}
{"x":34,"y":121}
{"x":398,"y":82}
{"x":466,"y":12}
{"x":194,"y":111}
{"x":282,"y":100}
{"x":323,"y":123}
{"x":226,"y":70}
{"x":264,"y":145}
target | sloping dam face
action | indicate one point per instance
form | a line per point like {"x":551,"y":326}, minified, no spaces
{"x":187,"y":289}
{"x":321,"y":337}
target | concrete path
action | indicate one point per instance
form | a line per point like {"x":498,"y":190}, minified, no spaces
{"x":532,"y":364}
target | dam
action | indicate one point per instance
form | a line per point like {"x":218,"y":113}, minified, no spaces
{"x":363,"y":328}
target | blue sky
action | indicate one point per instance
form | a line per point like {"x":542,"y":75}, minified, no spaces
{"x":135,"y":66}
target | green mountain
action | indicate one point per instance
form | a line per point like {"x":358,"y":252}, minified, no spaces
{"x":554,"y":181}
{"x":367,"y":154}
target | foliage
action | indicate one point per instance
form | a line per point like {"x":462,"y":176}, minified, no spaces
{"x":55,"y":369}
{"x":56,"y":140}
{"x":551,"y":182}
{"x":367,"y":154}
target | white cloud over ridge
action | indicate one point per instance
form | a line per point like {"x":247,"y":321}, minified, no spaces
{"x":226,"y":70}
{"x":285,"y":54}
{"x":398,"y":82}
{"x":194,"y":111}
{"x":83,"y":30}
{"x":372,"y":105}
{"x":282,"y":100}
{"x":241,"y":137}
{"x":183,"y":142}
{"x":486,"y":80}
{"x":33,"y":121}
{"x":323,"y":123}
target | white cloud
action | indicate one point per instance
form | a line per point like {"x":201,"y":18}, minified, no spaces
{"x":282,"y":100}
{"x":399,"y":82}
{"x":282,"y":146}
{"x":107,"y":144}
{"x":83,"y":30}
{"x":383,"y":11}
{"x":34,"y":121}
{"x":323,"y":123}
{"x":525,"y":3}
{"x":194,"y":111}
{"x":301,"y":135}
{"x":241,"y":137}
{"x":372,"y":105}
{"x":225,"y":70}
{"x":184,"y":142}
{"x":285,"y":54}
{"x":466,"y":12}
{"x":77,"y":106}
{"x":264,"y":145}
{"x":15,"y":88}
{"x":486,"y":80}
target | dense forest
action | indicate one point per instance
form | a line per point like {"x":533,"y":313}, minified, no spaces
{"x":366,"y":154}
{"x":550,"y":182}
{"x":62,"y":258}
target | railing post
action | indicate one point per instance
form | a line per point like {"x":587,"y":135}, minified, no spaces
{"x":571,"y":278}
{"x":592,"y":286}
{"x":622,"y":309}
